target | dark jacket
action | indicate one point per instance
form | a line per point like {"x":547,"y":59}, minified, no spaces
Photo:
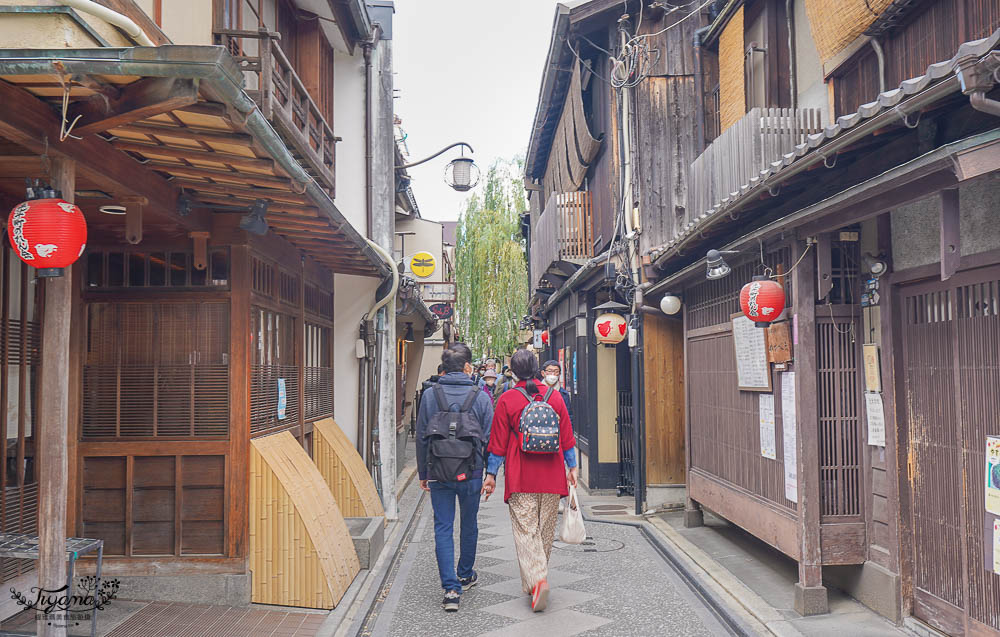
{"x":427,"y":384}
{"x":569,"y":405}
{"x":456,"y":387}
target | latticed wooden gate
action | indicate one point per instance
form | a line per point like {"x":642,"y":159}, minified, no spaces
{"x":951,"y":369}
{"x":626,"y":444}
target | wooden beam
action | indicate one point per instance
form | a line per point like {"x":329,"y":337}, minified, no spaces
{"x":824,"y":265}
{"x":197,"y":134}
{"x":252,"y":194}
{"x":33,"y":124}
{"x":208,"y":199}
{"x":53,"y":454}
{"x":193,"y":154}
{"x":139,"y":100}
{"x":951,"y":238}
{"x":238,"y":465}
{"x":184,"y":170}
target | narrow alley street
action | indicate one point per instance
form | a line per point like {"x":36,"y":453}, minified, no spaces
{"x":617,"y":584}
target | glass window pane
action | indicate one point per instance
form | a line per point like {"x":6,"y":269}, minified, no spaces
{"x":198,"y":277}
{"x":137,"y":269}
{"x":178,"y":269}
{"x":158,"y":269}
{"x":116,"y":269}
{"x":220,"y":267}
{"x":95,"y":269}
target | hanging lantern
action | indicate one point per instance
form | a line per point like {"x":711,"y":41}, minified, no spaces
{"x":545,"y":337}
{"x":48,"y":234}
{"x":762,"y":300}
{"x":610,"y":328}
{"x":464,"y":174}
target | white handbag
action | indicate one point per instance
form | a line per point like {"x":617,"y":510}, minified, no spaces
{"x":572,"y":531}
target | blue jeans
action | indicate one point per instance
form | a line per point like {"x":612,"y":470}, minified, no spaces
{"x":443,"y":495}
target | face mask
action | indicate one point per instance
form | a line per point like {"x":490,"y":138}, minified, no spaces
{"x":490,"y":382}
{"x":551,"y":380}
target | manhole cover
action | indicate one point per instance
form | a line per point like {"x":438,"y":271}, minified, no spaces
{"x":591,"y":545}
{"x":609,"y":507}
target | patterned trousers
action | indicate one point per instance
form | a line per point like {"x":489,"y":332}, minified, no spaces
{"x":533,"y":519}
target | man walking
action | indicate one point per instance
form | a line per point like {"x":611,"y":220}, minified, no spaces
{"x":453,"y":428}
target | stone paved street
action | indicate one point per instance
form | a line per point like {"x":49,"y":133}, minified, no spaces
{"x":619,"y":586}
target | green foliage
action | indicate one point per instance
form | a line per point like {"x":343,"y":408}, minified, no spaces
{"x":491,"y":271}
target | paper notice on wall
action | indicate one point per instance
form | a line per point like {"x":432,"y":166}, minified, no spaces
{"x":993,"y":474}
{"x":788,"y":429}
{"x":282,"y":399}
{"x":876,"y":419}
{"x":767,"y":442}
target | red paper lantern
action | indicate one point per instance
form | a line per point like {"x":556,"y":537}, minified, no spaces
{"x":545,"y":337}
{"x":47,"y":234}
{"x":762,"y":300}
{"x":610,"y":328}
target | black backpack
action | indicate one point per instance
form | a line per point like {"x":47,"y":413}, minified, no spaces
{"x":453,"y":439}
{"x":539,"y":427}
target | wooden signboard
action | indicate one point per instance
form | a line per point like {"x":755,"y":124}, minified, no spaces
{"x":753,"y":372}
{"x":873,"y":371}
{"x":779,"y":343}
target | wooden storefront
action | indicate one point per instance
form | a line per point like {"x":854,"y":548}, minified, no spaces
{"x":188,"y":335}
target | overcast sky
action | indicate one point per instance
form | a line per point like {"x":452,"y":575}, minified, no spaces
{"x":466,"y":70}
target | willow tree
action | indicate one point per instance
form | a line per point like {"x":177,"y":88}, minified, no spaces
{"x":490,"y":267}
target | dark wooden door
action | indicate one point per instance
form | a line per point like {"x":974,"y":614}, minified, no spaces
{"x":951,"y":371}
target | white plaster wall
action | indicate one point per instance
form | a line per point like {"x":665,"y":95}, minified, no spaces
{"x":811,"y":88}
{"x":428,"y":238}
{"x":28,"y":31}
{"x":349,"y":123}
{"x":187,"y":21}
{"x":352,"y":298}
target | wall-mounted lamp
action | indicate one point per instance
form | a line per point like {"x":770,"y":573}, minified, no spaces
{"x":717,"y":266}
{"x":875,"y":265}
{"x":670,"y":304}
{"x":255,"y":221}
{"x":408,"y":334}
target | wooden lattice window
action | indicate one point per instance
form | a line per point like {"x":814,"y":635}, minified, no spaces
{"x":319,"y":302}
{"x":156,"y":370}
{"x":288,"y":288}
{"x":140,"y":269}
{"x":273,"y":368}
{"x":714,"y":301}
{"x":318,"y":373}
{"x":262,"y":277}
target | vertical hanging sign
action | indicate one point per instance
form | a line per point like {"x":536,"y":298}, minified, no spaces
{"x":788,"y":427}
{"x":562,"y":367}
{"x":282,"y":399}
{"x":767,"y":442}
{"x":876,"y":419}
{"x":574,"y":373}
{"x":993,"y":474}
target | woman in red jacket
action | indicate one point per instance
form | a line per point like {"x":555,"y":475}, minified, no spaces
{"x":534,"y":482}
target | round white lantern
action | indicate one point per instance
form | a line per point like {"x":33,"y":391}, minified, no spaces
{"x":670,"y":304}
{"x":610,"y":328}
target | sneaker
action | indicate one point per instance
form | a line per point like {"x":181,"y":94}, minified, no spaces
{"x":540,"y":596}
{"x":469,"y":582}
{"x":450,"y":603}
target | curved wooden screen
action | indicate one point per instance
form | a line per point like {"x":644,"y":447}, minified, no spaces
{"x":345,"y":472}
{"x":301,"y":552}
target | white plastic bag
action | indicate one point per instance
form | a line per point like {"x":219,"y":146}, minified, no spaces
{"x":572,"y":531}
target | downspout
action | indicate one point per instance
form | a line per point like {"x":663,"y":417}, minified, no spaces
{"x":371,"y":365}
{"x":699,"y":89}
{"x":111,"y":17}
{"x":981,"y":103}
{"x":880,"y":55}
{"x":793,"y":83}
{"x":369,"y":186}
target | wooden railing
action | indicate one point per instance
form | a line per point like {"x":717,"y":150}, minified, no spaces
{"x":738,"y":155}
{"x":283,"y":99}
{"x":564,"y":232}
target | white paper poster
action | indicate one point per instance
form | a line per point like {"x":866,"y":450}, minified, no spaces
{"x":788,"y":429}
{"x":753,"y":373}
{"x":993,"y":474}
{"x":996,"y":546}
{"x":876,"y":419}
{"x":767,"y":442}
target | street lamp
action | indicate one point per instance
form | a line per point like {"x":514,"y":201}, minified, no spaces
{"x":461,"y":178}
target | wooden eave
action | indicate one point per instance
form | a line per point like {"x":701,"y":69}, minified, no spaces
{"x":172,"y":138}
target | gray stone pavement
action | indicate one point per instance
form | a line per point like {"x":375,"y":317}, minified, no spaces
{"x":619,"y":585}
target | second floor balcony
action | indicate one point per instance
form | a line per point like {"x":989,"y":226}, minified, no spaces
{"x":562,"y":239}
{"x":289,"y":73}
{"x":733,"y":162}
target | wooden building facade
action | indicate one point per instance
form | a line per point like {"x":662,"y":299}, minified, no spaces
{"x":201,"y":315}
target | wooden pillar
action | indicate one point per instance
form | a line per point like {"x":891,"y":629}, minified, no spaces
{"x":238,"y":464}
{"x":53,"y":419}
{"x":810,"y":594}
{"x":693,"y":515}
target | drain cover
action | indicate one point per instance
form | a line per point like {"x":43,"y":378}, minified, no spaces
{"x":609,"y":507}
{"x":591,"y":545}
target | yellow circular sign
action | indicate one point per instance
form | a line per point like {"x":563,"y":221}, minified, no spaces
{"x":422,"y":264}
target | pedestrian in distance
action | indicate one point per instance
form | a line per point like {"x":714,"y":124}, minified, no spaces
{"x":551,"y":372}
{"x":453,"y":428}
{"x":490,"y":380}
{"x":533,"y":436}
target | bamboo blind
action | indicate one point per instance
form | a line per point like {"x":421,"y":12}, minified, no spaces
{"x":345,"y":472}
{"x":301,"y":552}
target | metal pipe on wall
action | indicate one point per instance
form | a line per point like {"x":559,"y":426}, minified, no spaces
{"x":793,"y":83}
